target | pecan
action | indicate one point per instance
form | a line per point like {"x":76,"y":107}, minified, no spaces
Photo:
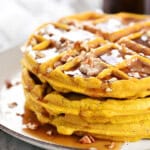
{"x":39,"y":55}
{"x":12,"y":105}
{"x":32,"y":126}
{"x":88,"y":70}
{"x":91,"y":66}
{"x":21,"y":115}
{"x":77,"y":45}
{"x":66,"y":58}
{"x":87,"y":139}
{"x":64,"y":46}
{"x":134,"y":74}
{"x":63,"y":40}
{"x":8,"y":84}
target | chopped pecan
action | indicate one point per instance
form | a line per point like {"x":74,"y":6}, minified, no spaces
{"x":63,"y":40}
{"x":91,"y":66}
{"x":12,"y":105}
{"x":39,"y":55}
{"x":32,"y":126}
{"x":87,"y":139}
{"x":66,"y":58}
{"x":8,"y":84}
{"x":21,"y":115}
{"x":77,"y":45}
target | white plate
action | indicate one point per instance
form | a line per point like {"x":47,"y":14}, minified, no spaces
{"x":11,"y":123}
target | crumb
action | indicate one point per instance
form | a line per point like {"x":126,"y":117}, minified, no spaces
{"x":112,"y":79}
{"x":92,"y":148}
{"x":32,"y":126}
{"x":8,"y":84}
{"x":144,"y":38}
{"x":49,"y":132}
{"x":49,"y":70}
{"x":134,"y":74}
{"x":111,"y":145}
{"x":17,"y":83}
{"x":108,"y":90}
{"x":39,"y":55}
{"x":12,"y":105}
{"x":21,"y":115}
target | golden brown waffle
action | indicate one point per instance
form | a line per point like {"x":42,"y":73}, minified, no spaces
{"x":72,"y":58}
{"x":90,"y":73}
{"x":119,"y":120}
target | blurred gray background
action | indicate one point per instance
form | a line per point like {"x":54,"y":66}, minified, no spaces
{"x":18,"y":18}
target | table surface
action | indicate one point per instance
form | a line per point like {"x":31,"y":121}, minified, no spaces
{"x":8,"y":142}
{"x":18,"y":18}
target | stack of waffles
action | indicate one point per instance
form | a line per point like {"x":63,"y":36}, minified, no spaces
{"x":90,"y":74}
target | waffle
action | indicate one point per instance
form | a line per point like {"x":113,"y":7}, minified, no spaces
{"x":72,"y":113}
{"x":72,"y":58}
{"x":90,"y":73}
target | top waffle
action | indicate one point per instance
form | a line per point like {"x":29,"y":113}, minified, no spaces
{"x":98,"y":55}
